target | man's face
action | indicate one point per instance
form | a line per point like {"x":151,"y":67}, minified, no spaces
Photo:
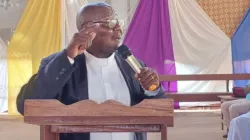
{"x":108,"y":33}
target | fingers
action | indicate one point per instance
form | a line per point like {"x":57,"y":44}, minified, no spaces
{"x":88,"y":29}
{"x":148,"y":84}
{"x":81,"y":40}
{"x":137,"y":76}
{"x":151,"y":80}
{"x":145,"y":74}
{"x":85,"y":36}
{"x":147,"y":77}
{"x":84,"y":41}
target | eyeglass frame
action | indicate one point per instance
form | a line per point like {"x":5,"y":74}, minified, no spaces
{"x":104,"y":21}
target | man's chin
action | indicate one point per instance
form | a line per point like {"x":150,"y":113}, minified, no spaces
{"x":114,"y":48}
{"x":115,"y":45}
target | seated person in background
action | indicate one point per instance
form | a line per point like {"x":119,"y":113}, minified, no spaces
{"x":90,"y":68}
{"x":235,"y":108}
{"x":240,"y":127}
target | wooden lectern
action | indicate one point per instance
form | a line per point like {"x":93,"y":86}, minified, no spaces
{"x":151,"y":115}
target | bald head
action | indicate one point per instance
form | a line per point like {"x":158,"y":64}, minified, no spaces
{"x":100,"y":18}
{"x":92,"y":12}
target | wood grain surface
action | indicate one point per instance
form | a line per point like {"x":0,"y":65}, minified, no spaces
{"x":87,"y":112}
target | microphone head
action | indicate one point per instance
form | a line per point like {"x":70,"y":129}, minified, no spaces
{"x":124,"y":51}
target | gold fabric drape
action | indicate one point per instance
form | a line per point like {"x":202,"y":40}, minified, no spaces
{"x":37,"y":35}
{"x":227,"y":14}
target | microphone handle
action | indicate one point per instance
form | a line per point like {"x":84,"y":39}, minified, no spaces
{"x":137,"y":68}
{"x":134,"y":64}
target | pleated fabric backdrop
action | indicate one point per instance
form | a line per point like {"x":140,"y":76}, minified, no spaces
{"x":68,"y":14}
{"x":185,"y":36}
{"x":177,"y":37}
{"x":38,"y":34}
{"x":200,"y":47}
{"x":241,"y":49}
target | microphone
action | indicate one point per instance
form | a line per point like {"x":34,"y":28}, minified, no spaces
{"x":125,"y":52}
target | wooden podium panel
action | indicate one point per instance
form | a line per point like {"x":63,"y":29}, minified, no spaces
{"x":152,"y":115}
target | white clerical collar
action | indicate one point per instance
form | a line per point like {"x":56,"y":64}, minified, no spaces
{"x":102,"y":61}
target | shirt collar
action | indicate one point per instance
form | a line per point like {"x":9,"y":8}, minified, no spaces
{"x":101,"y":61}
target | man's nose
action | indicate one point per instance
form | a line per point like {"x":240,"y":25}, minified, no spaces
{"x":118,"y":28}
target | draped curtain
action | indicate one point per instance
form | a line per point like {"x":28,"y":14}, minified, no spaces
{"x":200,"y":47}
{"x":149,"y":37}
{"x":4,"y":77}
{"x":176,"y":37}
{"x":241,"y":49}
{"x":38,"y":34}
{"x":69,"y":12}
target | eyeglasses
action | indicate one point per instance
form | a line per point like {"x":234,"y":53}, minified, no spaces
{"x":108,"y":23}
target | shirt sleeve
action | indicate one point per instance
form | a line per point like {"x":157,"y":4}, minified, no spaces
{"x":152,"y":93}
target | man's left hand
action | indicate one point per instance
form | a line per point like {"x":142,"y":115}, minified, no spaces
{"x":148,"y":77}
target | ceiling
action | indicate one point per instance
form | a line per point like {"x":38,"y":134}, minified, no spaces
{"x":10,"y":17}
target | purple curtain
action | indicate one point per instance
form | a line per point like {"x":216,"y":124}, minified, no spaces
{"x":149,"y":37}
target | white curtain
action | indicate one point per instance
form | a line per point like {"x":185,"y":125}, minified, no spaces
{"x":200,"y":47}
{"x":69,"y":11}
{"x":3,"y":77}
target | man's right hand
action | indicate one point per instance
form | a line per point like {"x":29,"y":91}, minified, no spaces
{"x":81,"y":41}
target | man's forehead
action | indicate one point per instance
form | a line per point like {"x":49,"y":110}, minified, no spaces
{"x":98,"y":13}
